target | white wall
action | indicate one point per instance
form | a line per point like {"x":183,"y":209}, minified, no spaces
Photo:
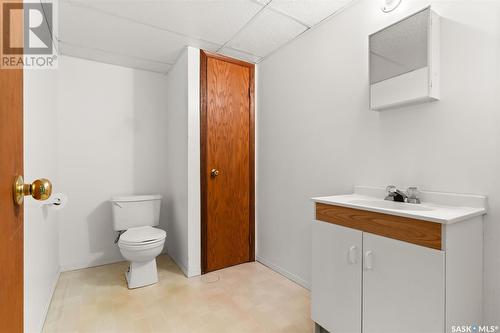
{"x":176,"y":197}
{"x":318,"y":137}
{"x":41,"y":244}
{"x":194,"y":194}
{"x":183,"y":169}
{"x":95,"y":130}
{"x":111,"y":141}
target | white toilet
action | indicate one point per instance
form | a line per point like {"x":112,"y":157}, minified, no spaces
{"x":140,"y":243}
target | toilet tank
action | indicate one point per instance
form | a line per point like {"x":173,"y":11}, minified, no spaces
{"x":135,"y":211}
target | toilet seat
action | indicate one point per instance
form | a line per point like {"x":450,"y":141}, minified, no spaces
{"x":142,"y":236}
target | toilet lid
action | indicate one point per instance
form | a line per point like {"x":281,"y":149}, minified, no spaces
{"x":142,"y":235}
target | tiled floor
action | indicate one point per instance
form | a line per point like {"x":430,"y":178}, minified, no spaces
{"x":243,"y":298}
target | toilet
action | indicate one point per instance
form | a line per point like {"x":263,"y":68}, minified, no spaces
{"x":135,"y":217}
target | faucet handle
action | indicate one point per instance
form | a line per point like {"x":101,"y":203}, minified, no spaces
{"x":390,"y":189}
{"x":412,"y":193}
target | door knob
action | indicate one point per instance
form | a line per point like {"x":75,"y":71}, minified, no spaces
{"x":214,"y":172}
{"x":40,"y":189}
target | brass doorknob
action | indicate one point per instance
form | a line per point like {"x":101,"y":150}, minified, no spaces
{"x":40,"y":189}
{"x":214,"y":172}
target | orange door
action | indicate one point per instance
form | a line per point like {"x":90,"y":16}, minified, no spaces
{"x":227,"y":162}
{"x":11,"y":215}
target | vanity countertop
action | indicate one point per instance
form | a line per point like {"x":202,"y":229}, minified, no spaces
{"x":446,"y":208}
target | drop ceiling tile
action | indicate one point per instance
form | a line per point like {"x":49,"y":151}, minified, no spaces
{"x":267,"y":32}
{"x":51,"y":10}
{"x":96,"y":30}
{"x":309,"y":12}
{"x":227,"y":51}
{"x":44,"y":31}
{"x":111,"y":58}
{"x":262,"y":2}
{"x":211,"y":20}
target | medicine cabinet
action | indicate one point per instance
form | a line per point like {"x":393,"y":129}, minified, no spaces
{"x":404,"y":62}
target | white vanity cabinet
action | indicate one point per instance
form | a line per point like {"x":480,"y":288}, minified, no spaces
{"x":361,"y":280}
{"x":375,"y":272}
{"x":336,"y":277}
{"x":403,"y":287}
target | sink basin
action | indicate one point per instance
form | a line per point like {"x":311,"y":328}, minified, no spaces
{"x":391,"y":205}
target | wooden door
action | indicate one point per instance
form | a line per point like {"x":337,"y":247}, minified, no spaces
{"x":403,"y":287}
{"x":11,"y":215}
{"x":227,"y":161}
{"x":336,"y":277}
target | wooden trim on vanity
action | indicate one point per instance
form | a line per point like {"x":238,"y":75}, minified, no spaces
{"x":405,"y":229}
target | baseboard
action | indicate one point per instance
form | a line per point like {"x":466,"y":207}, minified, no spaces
{"x":188,"y":271}
{"x":180,"y":265}
{"x":93,"y":263}
{"x":49,"y":300}
{"x":293,"y":277}
{"x":194,"y":272}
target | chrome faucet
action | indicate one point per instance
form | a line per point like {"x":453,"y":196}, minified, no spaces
{"x":410,"y":196}
{"x":393,"y":194}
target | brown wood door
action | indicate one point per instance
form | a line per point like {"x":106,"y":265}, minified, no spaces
{"x":227,"y":145}
{"x":11,"y":215}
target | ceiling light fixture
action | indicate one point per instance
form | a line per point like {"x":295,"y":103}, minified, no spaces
{"x":390,"y":5}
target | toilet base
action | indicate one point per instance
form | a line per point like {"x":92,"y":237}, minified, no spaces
{"x":141,"y":274}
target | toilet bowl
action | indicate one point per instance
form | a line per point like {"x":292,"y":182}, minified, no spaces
{"x":139,"y":242}
{"x":140,"y":246}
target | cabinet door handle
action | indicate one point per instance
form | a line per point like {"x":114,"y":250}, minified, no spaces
{"x":368,"y":260}
{"x":353,"y":254}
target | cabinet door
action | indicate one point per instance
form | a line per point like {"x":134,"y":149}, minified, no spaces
{"x":336,"y":277}
{"x":403,"y":287}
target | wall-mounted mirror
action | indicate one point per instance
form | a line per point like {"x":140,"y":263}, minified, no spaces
{"x":404,"y":62}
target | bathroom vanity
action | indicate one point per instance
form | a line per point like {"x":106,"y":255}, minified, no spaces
{"x":384,"y":266}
